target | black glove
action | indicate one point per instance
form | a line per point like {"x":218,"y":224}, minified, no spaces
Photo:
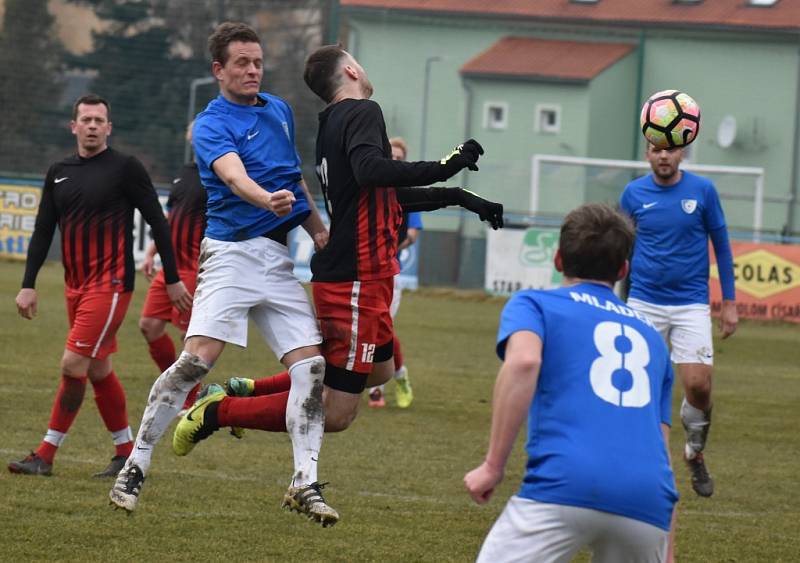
{"x":483,"y":208}
{"x":463,"y":156}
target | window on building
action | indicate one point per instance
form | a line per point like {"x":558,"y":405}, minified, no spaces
{"x":548,"y":118}
{"x":495,"y":115}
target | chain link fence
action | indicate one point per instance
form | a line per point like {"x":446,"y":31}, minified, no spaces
{"x":149,"y":59}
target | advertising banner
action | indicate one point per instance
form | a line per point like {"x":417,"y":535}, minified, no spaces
{"x":521,"y":259}
{"x":767,"y":281}
{"x":18,"y":205}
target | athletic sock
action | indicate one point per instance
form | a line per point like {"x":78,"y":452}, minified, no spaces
{"x":696,"y":423}
{"x":305,"y":417}
{"x":398,"y":354}
{"x":162,"y":350}
{"x":191,"y":397}
{"x":65,"y":408}
{"x":266,"y":412}
{"x":110,"y":398}
{"x":163,"y":402}
{"x":275,"y":384}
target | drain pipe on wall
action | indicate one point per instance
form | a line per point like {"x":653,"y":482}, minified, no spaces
{"x":795,"y":176}
{"x":637,"y":132}
{"x":464,"y":177}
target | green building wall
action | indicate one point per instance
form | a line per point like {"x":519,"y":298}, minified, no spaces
{"x":752,"y":76}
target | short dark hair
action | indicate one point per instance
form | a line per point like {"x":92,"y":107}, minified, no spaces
{"x":320,"y":72}
{"x":595,"y":241}
{"x":90,"y":100}
{"x":225,"y":34}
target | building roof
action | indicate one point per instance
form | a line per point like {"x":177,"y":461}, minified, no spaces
{"x":780,"y":15}
{"x":526,"y":57}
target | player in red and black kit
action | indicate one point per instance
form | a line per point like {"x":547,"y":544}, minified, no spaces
{"x":91,"y":197}
{"x":353,"y":274}
{"x":186,"y":208}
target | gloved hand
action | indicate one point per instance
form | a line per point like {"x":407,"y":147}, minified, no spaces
{"x":483,"y":208}
{"x":463,"y":156}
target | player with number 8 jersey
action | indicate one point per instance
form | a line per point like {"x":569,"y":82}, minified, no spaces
{"x":595,"y":379}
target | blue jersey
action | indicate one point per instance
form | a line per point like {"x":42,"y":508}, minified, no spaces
{"x":605,"y":387}
{"x":673,"y":224}
{"x":415,"y":220}
{"x":263,"y":137}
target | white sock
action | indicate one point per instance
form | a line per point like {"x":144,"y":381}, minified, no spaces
{"x":401,"y":373}
{"x":165,"y":400}
{"x":696,"y":424}
{"x":305,"y":417}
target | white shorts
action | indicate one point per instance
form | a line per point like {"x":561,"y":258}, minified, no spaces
{"x":527,"y":530}
{"x":686,"y":328}
{"x":251,"y":279}
{"x":398,"y":292}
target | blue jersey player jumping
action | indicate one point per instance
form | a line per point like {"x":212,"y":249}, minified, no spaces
{"x":594,"y":379}
{"x":245,"y":151}
{"x":676,"y":213}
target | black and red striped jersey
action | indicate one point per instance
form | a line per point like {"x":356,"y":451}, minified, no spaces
{"x":187,"y":216}
{"x":355,"y":168}
{"x":364,"y":219}
{"x":92,"y":201}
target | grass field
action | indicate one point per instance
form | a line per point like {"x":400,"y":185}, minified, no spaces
{"x":395,"y":475}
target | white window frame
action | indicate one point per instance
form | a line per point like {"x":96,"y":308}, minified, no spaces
{"x":540,"y":126}
{"x":488,"y":123}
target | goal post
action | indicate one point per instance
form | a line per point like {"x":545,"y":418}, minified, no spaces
{"x":581,"y":179}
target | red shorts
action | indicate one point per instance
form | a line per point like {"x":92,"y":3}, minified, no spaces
{"x":356,"y":326}
{"x":94,"y":318}
{"x":158,"y":306}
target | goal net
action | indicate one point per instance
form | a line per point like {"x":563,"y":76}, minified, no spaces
{"x":561,"y":183}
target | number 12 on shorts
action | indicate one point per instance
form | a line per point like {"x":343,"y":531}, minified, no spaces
{"x":367,"y":352}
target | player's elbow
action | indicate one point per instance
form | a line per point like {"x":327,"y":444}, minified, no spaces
{"x":525,"y":363}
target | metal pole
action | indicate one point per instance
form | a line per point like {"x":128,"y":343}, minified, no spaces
{"x":187,"y":146}
{"x":425,"y":92}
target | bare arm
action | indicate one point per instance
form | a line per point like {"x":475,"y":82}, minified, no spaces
{"x":513,"y":393}
{"x":411,"y":238}
{"x":230,"y":169}
{"x":148,"y":265}
{"x":313,"y":225}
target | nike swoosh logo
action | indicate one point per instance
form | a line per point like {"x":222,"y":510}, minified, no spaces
{"x":176,"y":180}
{"x":191,"y":412}
{"x":249,"y":136}
{"x":141,"y":448}
{"x":80,"y":344}
{"x":649,"y":205}
{"x":59,"y":180}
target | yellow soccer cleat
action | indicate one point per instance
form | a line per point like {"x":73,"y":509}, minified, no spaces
{"x":199,"y":423}
{"x":403,"y":393}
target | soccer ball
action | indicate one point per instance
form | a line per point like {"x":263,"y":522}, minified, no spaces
{"x":670,"y":119}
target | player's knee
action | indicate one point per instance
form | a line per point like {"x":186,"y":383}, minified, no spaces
{"x":189,"y":368}
{"x":338,"y":420}
{"x":74,"y":366}
{"x":151,"y":328}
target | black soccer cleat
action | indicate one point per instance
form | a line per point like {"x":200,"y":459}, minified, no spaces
{"x":702,"y":483}
{"x":113,"y":468}
{"x":31,"y":465}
